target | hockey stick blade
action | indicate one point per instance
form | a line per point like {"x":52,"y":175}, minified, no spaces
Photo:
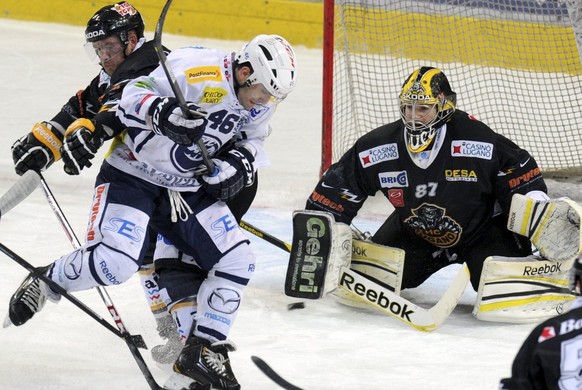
{"x":268,"y":371}
{"x":19,"y":191}
{"x":401,"y":308}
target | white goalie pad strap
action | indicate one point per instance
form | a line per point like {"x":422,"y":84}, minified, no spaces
{"x":320,"y":248}
{"x":552,"y":226}
{"x":523,"y":289}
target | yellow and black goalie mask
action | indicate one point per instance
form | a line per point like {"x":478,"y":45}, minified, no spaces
{"x":426,"y":103}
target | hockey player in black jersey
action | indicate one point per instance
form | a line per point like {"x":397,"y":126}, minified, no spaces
{"x":449,"y":177}
{"x":550,"y":356}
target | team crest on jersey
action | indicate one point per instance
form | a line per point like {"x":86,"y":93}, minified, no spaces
{"x":393,"y":179}
{"x":203,"y":73}
{"x":213,"y":95}
{"x":462,"y":148}
{"x":186,"y":158}
{"x":378,"y":154}
{"x":431,"y":223}
{"x":547,"y":333}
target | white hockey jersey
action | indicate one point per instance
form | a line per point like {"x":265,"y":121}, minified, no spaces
{"x":205,"y":77}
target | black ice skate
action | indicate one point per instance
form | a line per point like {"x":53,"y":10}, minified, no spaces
{"x":208,"y":364}
{"x":29,"y":299}
{"x":169,"y":352}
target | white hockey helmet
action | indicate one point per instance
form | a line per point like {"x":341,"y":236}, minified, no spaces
{"x":274,"y":64}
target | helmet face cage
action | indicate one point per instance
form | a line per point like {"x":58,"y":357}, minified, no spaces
{"x":426,"y":103}
{"x":115,"y":19}
{"x":273,"y":62}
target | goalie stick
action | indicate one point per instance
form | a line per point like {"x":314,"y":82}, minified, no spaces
{"x":424,"y":319}
{"x":176,"y":88}
{"x":268,"y":371}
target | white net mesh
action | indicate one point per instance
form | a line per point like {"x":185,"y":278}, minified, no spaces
{"x":514,"y":65}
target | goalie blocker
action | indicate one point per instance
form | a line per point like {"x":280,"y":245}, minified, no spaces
{"x":320,"y":248}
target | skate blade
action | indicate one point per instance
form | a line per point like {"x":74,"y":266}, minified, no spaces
{"x":7,"y":322}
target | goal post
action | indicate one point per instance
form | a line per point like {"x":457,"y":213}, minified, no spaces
{"x":515,"y":65}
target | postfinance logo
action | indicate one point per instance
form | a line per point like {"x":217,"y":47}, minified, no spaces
{"x":203,"y":73}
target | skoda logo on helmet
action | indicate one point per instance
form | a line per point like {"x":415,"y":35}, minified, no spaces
{"x":94,"y":34}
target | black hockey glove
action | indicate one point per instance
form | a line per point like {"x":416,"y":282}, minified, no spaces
{"x":37,"y":150}
{"x":234,"y":170}
{"x":168,"y":120}
{"x":82,"y":140}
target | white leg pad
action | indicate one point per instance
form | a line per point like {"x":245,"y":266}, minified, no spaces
{"x":381,"y":264}
{"x":525,"y":289}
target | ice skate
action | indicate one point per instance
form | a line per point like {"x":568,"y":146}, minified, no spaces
{"x":207,"y":364}
{"x":29,"y":299}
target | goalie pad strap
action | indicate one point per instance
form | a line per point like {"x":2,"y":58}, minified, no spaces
{"x":518,"y":290}
{"x":320,"y":247}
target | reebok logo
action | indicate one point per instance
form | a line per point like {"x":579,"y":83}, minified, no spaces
{"x":372,"y":296}
{"x":544,"y":269}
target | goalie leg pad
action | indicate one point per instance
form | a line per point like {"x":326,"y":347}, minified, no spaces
{"x":381,"y":264}
{"x":526,"y":289}
{"x":552,"y":226}
{"x":320,"y":248}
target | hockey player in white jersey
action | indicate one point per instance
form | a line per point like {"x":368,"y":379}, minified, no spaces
{"x":154,"y":174}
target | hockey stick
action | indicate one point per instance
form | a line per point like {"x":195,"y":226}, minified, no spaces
{"x":55,"y":287}
{"x":268,"y":371}
{"x":137,"y":339}
{"x":18,"y":192}
{"x":265,"y":236}
{"x":393,"y":304}
{"x":175,"y":87}
{"x":134,"y":342}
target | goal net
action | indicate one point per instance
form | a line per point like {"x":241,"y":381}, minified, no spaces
{"x":515,"y":65}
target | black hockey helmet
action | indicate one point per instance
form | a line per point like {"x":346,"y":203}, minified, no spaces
{"x":425,"y":89}
{"x":115,"y":19}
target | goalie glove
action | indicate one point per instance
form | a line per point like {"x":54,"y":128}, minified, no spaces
{"x":167,"y":119}
{"x":234,"y":171}
{"x":82,"y":140}
{"x":37,"y":150}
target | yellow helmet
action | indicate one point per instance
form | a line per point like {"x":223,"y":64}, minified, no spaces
{"x":426,"y":103}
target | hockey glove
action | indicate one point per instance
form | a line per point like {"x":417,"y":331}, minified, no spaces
{"x":37,"y":150}
{"x":234,"y":171}
{"x":82,"y":140}
{"x":167,"y":119}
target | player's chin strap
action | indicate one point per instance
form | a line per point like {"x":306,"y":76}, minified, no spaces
{"x":324,"y":259}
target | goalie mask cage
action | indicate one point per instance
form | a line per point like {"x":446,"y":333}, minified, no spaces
{"x":515,"y":65}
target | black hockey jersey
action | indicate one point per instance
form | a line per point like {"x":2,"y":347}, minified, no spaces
{"x":550,"y":356}
{"x":446,"y":201}
{"x":103,"y":93}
